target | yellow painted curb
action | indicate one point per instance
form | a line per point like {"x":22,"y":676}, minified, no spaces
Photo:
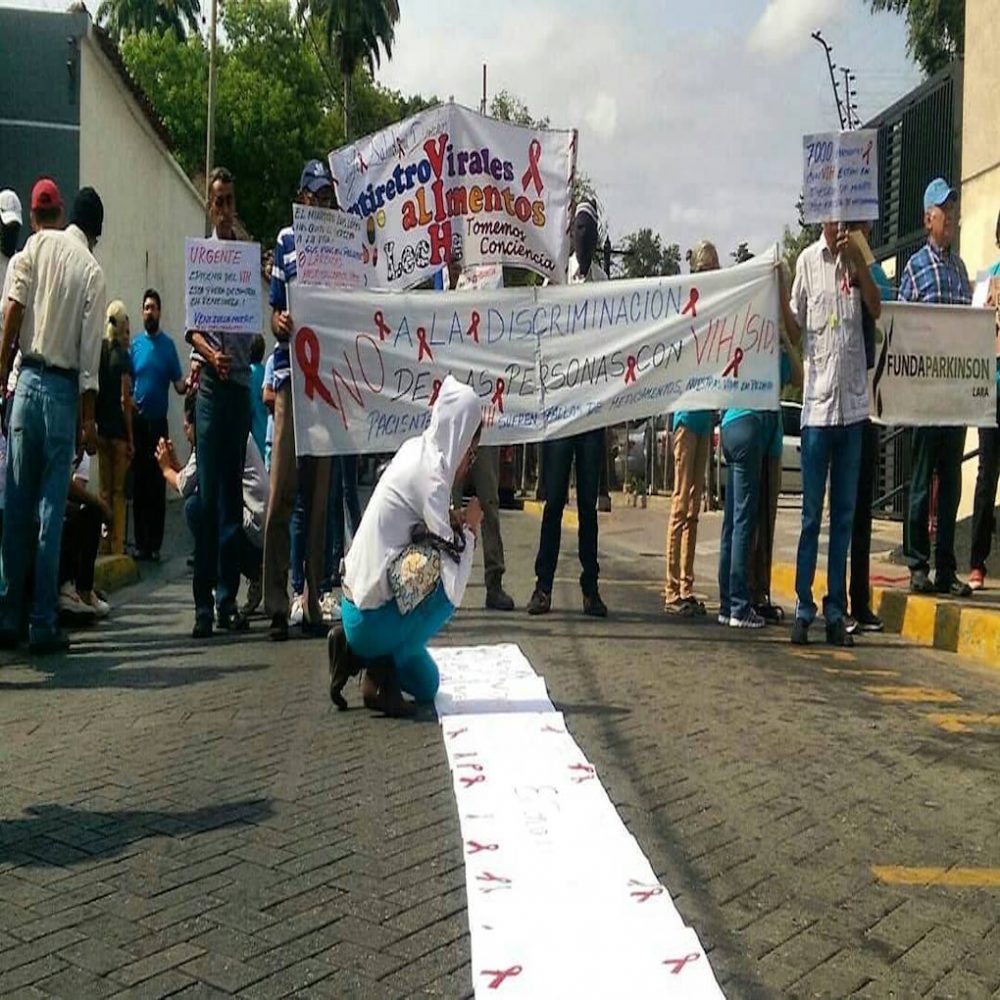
{"x":114,"y":572}
{"x":569,"y":518}
{"x":942,"y":624}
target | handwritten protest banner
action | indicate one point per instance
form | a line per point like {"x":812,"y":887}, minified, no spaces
{"x":546,"y":362}
{"x":330,"y":248}
{"x":222,"y":286}
{"x":840,"y":176}
{"x":451,"y":181}
{"x":935,"y":366}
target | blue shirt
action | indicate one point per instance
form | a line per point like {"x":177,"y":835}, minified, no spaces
{"x":936,"y":276}
{"x":283,"y":272}
{"x":771,"y":429}
{"x":696,"y":421}
{"x":156,"y":366}
{"x":882,"y":282}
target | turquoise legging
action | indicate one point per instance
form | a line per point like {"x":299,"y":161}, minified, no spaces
{"x":385,"y":632}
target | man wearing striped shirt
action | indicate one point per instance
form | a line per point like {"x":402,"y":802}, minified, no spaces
{"x":311,"y":475}
{"x":935,"y":274}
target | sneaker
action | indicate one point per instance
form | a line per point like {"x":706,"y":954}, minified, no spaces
{"x":278,"y":631}
{"x":51,"y":642}
{"x":977,"y":579}
{"x":851,"y":624}
{"x":867,"y":621}
{"x":326,"y":605}
{"x":540,"y":603}
{"x":204,"y":625}
{"x":101,"y":607}
{"x":71,"y":603}
{"x":233,"y":621}
{"x":951,"y":586}
{"x":750,"y":620}
{"x":497,"y":599}
{"x":837,"y":634}
{"x":800,"y":632}
{"x":594,"y":606}
{"x":771,"y":613}
{"x":255,"y":594}
{"x":684,"y":607}
{"x":298,"y":611}
{"x":722,"y":618}
{"x":920,"y":582}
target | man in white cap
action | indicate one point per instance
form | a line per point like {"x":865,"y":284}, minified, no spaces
{"x":11,"y":220}
{"x":557,"y":459}
{"x":935,"y":274}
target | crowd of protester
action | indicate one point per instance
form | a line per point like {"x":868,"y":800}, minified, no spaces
{"x":79,"y":383}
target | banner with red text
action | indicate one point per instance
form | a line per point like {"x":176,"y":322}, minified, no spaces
{"x":450,"y":180}
{"x":546,"y":362}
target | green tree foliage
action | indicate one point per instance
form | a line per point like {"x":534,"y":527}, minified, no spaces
{"x":276,"y":104}
{"x":126,"y":17}
{"x":645,"y":256}
{"x":935,"y":29}
{"x":508,"y":107}
{"x":793,"y":243}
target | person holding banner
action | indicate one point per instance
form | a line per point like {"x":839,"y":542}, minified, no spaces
{"x":587,"y":449}
{"x":310,"y":475}
{"x":390,"y":615}
{"x":223,"y":425}
{"x":831,"y":282}
{"x":935,"y":274}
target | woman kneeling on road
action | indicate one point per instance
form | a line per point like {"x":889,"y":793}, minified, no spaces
{"x":409,"y":564}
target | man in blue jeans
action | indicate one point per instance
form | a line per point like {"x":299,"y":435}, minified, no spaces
{"x":831,"y":282}
{"x":55,"y":311}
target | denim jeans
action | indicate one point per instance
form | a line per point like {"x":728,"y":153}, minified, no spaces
{"x":837,"y":451}
{"x":42,"y":440}
{"x":251,"y":557}
{"x":557,"y":460}
{"x":297,"y":527}
{"x":343,"y":495}
{"x":743,"y":446}
{"x":222,"y":426}
{"x":384,"y":631}
{"x":935,"y":449}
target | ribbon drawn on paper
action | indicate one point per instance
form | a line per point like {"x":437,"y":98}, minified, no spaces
{"x":733,"y":368}
{"x":469,"y":781}
{"x":499,"y":975}
{"x":475,"y":847}
{"x":588,"y":774}
{"x":679,"y":963}
{"x":644,"y":893}
{"x":532,"y":174}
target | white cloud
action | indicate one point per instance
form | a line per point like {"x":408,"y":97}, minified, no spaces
{"x":603,"y":116}
{"x":785,"y":26}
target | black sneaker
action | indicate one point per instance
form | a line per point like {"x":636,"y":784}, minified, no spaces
{"x":278,"y":631}
{"x":920,"y":582}
{"x":800,"y":632}
{"x":837,"y":634}
{"x":771,"y":613}
{"x":52,"y":642}
{"x":594,"y":606}
{"x":540,"y":603}
{"x":203,"y":626}
{"x":951,"y":586}
{"x":233,"y":621}
{"x":868,"y":621}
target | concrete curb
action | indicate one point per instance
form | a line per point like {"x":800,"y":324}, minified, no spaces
{"x":536,"y":507}
{"x":930,"y":621}
{"x":114,"y":572}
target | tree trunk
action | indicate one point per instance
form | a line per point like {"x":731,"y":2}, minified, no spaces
{"x":347,"y":97}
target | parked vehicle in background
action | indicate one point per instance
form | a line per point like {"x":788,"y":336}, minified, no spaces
{"x":791,"y":450}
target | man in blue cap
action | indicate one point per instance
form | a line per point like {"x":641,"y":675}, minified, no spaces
{"x":310,"y":475}
{"x":935,"y":274}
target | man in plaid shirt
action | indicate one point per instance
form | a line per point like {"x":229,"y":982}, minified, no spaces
{"x":935,"y":274}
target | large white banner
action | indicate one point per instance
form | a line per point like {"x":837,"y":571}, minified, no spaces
{"x":935,"y":366}
{"x":546,"y":362}
{"x":451,"y":180}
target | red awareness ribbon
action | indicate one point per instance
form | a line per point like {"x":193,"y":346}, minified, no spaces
{"x":472,"y":767}
{"x":473,"y":330}
{"x":383,"y":328}
{"x":587,"y":768}
{"x":866,"y":155}
{"x":475,"y":847}
{"x":644,"y":893}
{"x":532,"y":174}
{"x":362,"y":166}
{"x":435,"y":391}
{"x":473,"y":780}
{"x":679,"y":963}
{"x":307,"y":355}
{"x":490,"y":877}
{"x":733,"y":368}
{"x":457,"y":732}
{"x":497,"y":399}
{"x":499,"y":975}
{"x":692,"y":304}
{"x":630,"y":370}
{"x":845,"y":285}
{"x":424,"y":347}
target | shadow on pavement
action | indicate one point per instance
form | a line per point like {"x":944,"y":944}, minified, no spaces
{"x":87,"y":672}
{"x":94,"y":834}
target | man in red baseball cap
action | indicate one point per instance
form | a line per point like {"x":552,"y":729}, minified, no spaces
{"x":45,"y":196}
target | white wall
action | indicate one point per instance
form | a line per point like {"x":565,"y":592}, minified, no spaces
{"x":149,"y":203}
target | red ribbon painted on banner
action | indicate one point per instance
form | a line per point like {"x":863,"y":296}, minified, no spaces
{"x":532,"y":173}
{"x":471,"y":767}
{"x":424,"y":347}
{"x":733,"y":368}
{"x":588,"y":770}
{"x":474,"y":780}
{"x":499,"y":975}
{"x":630,"y":376}
{"x":679,"y":963}
{"x":692,"y":304}
{"x":362,"y":166}
{"x":498,"y":392}
{"x":645,"y":893}
{"x":490,"y":877}
{"x":475,"y":847}
{"x":307,"y":355}
{"x":435,"y":390}
{"x":383,"y":328}
{"x":473,"y":330}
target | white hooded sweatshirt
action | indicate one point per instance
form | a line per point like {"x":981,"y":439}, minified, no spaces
{"x":416,"y":490}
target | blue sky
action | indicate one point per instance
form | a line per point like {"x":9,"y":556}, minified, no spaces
{"x":690,"y":113}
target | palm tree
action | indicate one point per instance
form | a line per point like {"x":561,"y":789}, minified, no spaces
{"x":127,"y":17}
{"x":355,"y":32}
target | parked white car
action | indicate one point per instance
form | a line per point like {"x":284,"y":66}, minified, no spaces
{"x":791,"y":450}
